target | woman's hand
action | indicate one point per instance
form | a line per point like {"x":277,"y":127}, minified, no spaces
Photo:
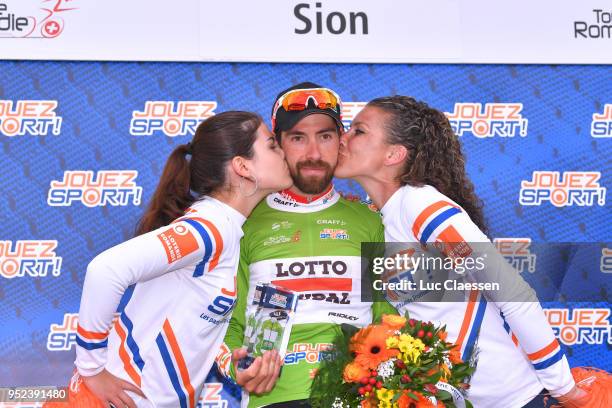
{"x":111,"y":390}
{"x":576,"y":398}
{"x":261,"y":376}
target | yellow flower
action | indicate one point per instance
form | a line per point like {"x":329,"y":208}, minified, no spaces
{"x":384,"y":394}
{"x":445,"y":372}
{"x":392,"y":342}
{"x":410,"y":347}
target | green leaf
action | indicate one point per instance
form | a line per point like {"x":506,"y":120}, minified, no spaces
{"x":444,"y":395}
{"x":411,"y":395}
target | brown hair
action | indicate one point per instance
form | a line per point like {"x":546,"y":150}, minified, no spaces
{"x":435,"y":155}
{"x":217,"y":140}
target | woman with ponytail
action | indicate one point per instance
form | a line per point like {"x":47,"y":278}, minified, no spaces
{"x":410,"y":163}
{"x":174,"y":283}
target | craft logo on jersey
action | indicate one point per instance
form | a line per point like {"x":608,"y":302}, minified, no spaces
{"x":211,"y":396}
{"x":29,"y":258}
{"x":517,"y":252}
{"x":309,"y":353}
{"x":581,"y":326}
{"x":580,"y":188}
{"x":34,"y":118}
{"x":349,"y":111}
{"x":606,"y":260}
{"x":27,"y":19}
{"x":601,"y":126}
{"x":331,"y":233}
{"x":178,"y":242}
{"x":172,"y":119}
{"x":107,"y":187}
{"x":495,"y":119}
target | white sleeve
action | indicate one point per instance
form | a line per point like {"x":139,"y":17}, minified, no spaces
{"x":439,"y":221}
{"x":139,"y":259}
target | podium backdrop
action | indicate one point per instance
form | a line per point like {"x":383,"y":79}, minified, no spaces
{"x":82,"y":145}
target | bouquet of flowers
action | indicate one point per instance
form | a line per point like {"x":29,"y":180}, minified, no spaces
{"x":402,"y":362}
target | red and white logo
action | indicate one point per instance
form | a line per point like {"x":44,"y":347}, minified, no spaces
{"x":452,"y":244}
{"x":517,"y":252}
{"x":178,"y":242}
{"x":35,"y":118}
{"x":580,"y":188}
{"x":107,"y":187}
{"x":29,"y":258}
{"x":580,"y":326}
{"x":172,"y":119}
{"x":495,"y":119}
{"x":601,"y":126}
{"x":27,"y":20}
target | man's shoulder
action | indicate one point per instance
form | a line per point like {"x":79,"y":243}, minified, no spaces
{"x":358,"y":208}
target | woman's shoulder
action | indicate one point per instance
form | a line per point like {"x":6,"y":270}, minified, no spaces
{"x":209,"y":214}
{"x":423,"y":195}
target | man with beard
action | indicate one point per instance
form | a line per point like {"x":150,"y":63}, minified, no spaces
{"x":306,"y":239}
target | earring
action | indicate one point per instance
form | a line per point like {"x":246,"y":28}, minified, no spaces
{"x":240,"y":186}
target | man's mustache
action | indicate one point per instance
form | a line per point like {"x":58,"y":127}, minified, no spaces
{"x":313,"y":164}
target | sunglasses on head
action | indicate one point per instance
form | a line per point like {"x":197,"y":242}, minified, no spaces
{"x":298,"y":100}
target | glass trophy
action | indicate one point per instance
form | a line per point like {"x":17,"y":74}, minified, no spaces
{"x":268,"y":324}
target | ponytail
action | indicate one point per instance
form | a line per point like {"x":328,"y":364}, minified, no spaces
{"x":217,"y":140}
{"x":172,"y":195}
{"x":435,"y":156}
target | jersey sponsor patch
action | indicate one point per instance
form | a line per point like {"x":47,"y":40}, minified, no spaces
{"x":178,"y":242}
{"x":452,"y":244}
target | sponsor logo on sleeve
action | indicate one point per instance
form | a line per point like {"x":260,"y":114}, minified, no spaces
{"x":452,"y":244}
{"x":178,"y":242}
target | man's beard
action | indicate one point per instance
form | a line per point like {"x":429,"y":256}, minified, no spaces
{"x":312,"y":184}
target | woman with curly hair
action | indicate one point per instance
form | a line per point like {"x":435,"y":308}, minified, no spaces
{"x":410,"y":163}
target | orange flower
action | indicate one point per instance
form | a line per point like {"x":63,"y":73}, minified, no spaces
{"x":421,"y":402}
{"x":369,"y":345}
{"x":367,"y":403}
{"x":432,"y":371}
{"x":354,"y":372}
{"x":442,"y":335}
{"x":455,"y":355}
{"x":394,"y":322}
